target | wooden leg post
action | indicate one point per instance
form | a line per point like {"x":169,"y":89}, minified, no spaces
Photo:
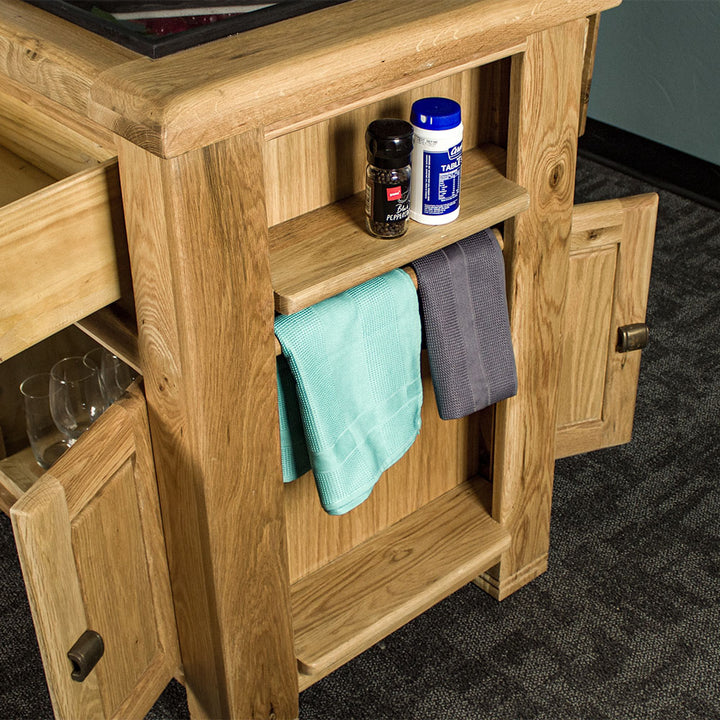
{"x":197,"y":234}
{"x":541,"y":157}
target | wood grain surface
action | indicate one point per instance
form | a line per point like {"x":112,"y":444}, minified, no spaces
{"x":349,"y":605}
{"x":610,"y":259}
{"x":197,"y":235}
{"x":312,"y":67}
{"x":58,"y":256}
{"x":327,"y":251}
{"x":90,"y":543}
{"x":542,"y":146}
{"x":53,"y":56}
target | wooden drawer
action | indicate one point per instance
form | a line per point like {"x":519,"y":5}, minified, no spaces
{"x":61,"y":226}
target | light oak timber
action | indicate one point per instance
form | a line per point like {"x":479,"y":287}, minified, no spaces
{"x":47,"y":143}
{"x":53,"y":56}
{"x":411,"y":272}
{"x":197,"y":236}
{"x":311,"y":67}
{"x":71,"y":120}
{"x":115,"y":331}
{"x":327,"y":251}
{"x":19,"y":178}
{"x":18,"y":473}
{"x":90,"y":544}
{"x":444,"y":455}
{"x":318,"y":165}
{"x":598,"y":389}
{"x":542,"y":148}
{"x":590,"y":296}
{"x":59,"y":250}
{"x":591,"y":37}
{"x":364,"y":595}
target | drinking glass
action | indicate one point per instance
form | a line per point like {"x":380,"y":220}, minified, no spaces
{"x":75,"y":396}
{"x":46,"y":440}
{"x":114,"y":375}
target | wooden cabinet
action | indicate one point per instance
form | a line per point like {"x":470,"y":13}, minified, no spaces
{"x":240,"y":176}
{"x":610,"y":257}
{"x":91,"y":546}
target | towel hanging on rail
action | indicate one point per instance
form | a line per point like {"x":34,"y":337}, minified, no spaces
{"x":466,"y":326}
{"x":293,"y":449}
{"x":355,"y":358}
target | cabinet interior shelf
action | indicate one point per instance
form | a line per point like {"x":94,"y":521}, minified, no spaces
{"x":343,"y":608}
{"x":327,"y":251}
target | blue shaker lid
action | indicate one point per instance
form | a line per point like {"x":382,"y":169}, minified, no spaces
{"x":435,"y":113}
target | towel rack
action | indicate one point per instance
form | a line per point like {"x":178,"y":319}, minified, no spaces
{"x":408,"y":269}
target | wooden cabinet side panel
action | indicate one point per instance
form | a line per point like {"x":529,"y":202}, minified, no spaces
{"x":197,"y":235}
{"x":542,"y":144}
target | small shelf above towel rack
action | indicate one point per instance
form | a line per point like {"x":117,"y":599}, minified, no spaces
{"x":326,"y":251}
{"x":409,"y":270}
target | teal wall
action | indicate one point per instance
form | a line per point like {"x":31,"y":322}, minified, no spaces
{"x":657,"y":73}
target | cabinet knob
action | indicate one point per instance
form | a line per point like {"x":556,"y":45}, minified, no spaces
{"x":632,"y":337}
{"x":85,"y":653}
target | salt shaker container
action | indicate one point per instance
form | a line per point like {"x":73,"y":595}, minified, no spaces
{"x":436,"y":160}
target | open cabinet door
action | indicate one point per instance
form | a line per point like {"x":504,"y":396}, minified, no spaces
{"x":611,"y":248}
{"x":92,"y":552}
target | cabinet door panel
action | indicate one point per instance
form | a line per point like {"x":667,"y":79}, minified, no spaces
{"x":610,"y":257}
{"x":91,"y":547}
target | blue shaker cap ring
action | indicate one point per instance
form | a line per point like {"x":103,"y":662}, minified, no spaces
{"x":435,"y":113}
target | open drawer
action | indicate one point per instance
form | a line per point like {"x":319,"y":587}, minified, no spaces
{"x":91,"y":547}
{"x":62,"y":232}
{"x":611,"y":247}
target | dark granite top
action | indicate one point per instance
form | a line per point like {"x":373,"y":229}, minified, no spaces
{"x":157,"y":28}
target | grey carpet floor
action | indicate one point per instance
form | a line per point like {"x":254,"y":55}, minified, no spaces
{"x":625,"y":625}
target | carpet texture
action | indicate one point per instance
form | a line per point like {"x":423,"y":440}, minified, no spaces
{"x":625,"y":625}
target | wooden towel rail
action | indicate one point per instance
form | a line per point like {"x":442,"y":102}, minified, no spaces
{"x":408,"y":269}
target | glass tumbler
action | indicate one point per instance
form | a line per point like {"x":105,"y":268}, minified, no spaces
{"x":46,"y":440}
{"x":76,"y":399}
{"x":115,"y":376}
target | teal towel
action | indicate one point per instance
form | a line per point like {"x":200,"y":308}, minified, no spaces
{"x":295,"y":459}
{"x":356,"y":362}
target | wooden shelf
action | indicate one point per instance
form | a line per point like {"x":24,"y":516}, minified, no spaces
{"x":324,"y":252}
{"x":116,"y":331}
{"x":347,"y":606}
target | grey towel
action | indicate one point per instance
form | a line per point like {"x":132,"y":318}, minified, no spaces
{"x":466,"y":326}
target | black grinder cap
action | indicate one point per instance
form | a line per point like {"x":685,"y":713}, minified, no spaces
{"x":389,"y":143}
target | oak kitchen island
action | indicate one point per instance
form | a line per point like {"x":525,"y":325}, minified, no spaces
{"x":178,"y":203}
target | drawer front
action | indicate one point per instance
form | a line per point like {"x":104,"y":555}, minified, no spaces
{"x":58,"y":255}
